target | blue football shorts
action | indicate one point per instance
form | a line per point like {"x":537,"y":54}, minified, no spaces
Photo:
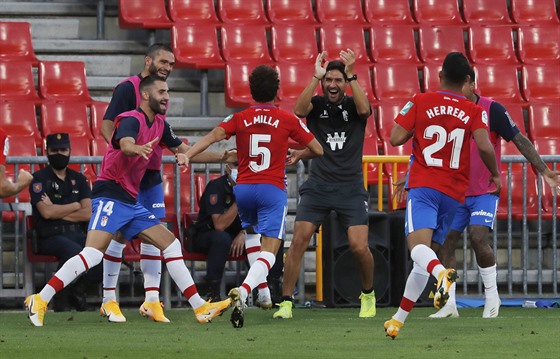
{"x":110,"y":215}
{"x":430,"y":208}
{"x":477,"y":210}
{"x":263,"y":206}
{"x":152,"y":199}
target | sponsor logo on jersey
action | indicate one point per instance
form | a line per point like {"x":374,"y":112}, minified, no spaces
{"x":406,"y":107}
{"x":336,"y":140}
{"x":303,"y":126}
{"x":158,"y":205}
{"x":511,"y":122}
{"x":324,"y":115}
{"x":485,"y":118}
{"x":345,"y":115}
{"x":6,"y":147}
{"x":228,"y":118}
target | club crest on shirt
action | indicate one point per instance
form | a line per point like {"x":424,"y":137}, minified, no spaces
{"x":37,"y":187}
{"x":104,"y":220}
{"x":213,"y":199}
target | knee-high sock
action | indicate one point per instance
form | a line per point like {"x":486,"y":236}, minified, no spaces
{"x":150,"y":264}
{"x":257,"y":273}
{"x":173,"y":257}
{"x":489,"y":275}
{"x":112,"y":260}
{"x":81,"y":262}
{"x":415,"y":284}
{"x":253,"y":249}
{"x":427,"y":260}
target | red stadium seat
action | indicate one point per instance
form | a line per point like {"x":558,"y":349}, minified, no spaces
{"x":291,"y":84}
{"x":294,"y":43}
{"x":541,"y":83}
{"x":544,"y":121}
{"x":236,"y":83}
{"x":196,"y":46}
{"x":435,"y":42}
{"x":393,"y":44}
{"x":394,"y":12}
{"x":491,"y":45}
{"x":80,"y":146}
{"x":397,"y":83}
{"x":386,"y":114}
{"x":540,"y":12}
{"x":291,"y":12}
{"x":15,"y":43}
{"x":430,"y":80}
{"x":63,"y":81}
{"x":441,"y":12}
{"x":333,"y":39}
{"x":245,"y":43}
{"x":16,"y":82}
{"x":498,"y":82}
{"x":97,"y":112}
{"x":98,"y":147}
{"x":517,"y":193}
{"x":246,"y":12}
{"x":19,"y":118}
{"x":69,"y":117}
{"x":340,"y":12}
{"x":486,"y":12}
{"x":143,"y":14}
{"x":539,"y":44}
{"x":193,"y":12}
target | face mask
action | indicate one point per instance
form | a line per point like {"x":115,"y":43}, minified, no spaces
{"x":58,"y":161}
{"x":233,"y":174}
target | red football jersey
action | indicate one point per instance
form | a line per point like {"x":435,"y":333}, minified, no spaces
{"x":3,"y":147}
{"x":262,"y":134}
{"x":442,"y":122}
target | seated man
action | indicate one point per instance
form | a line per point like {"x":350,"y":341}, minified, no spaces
{"x":218,"y":231}
{"x":61,"y":201}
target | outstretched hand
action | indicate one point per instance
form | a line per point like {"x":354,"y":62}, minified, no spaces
{"x":292,"y":157}
{"x":321,"y":65}
{"x":349,"y":59}
{"x":553,"y":180}
{"x":147,"y":148}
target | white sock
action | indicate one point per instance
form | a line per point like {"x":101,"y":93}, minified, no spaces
{"x":415,"y":284}
{"x":489,"y":278}
{"x":427,"y":259}
{"x":72,"y":269}
{"x":112,"y":260}
{"x":150,"y":264}
{"x":180,"y":274}
{"x":257,"y":273}
{"x":452,"y":289}
{"x":253,"y":249}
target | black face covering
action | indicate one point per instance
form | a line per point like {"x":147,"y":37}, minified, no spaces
{"x":58,"y":161}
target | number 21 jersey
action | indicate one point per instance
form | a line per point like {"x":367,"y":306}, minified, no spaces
{"x":442,"y":122}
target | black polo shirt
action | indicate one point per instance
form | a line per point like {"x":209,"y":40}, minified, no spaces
{"x":73,"y":189}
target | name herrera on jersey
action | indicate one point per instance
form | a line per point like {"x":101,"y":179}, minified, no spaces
{"x":447,"y":110}
{"x":267,"y":120}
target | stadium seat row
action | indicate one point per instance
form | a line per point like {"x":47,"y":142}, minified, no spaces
{"x":207,"y":46}
{"x":154,"y":14}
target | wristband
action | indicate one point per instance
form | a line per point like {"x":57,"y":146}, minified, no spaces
{"x":317,"y":78}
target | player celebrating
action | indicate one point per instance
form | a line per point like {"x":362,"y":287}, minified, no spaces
{"x":115,"y":206}
{"x":441,"y":124}
{"x":479,"y":209}
{"x":262,"y":134}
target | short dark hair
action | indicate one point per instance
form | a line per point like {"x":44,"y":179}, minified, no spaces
{"x":472,"y":74}
{"x":456,"y":67}
{"x":264,"y":83}
{"x":148,"y":81}
{"x":337,"y":65}
{"x":154,"y":49}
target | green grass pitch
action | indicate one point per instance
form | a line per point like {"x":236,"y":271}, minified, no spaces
{"x":312,"y":333}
